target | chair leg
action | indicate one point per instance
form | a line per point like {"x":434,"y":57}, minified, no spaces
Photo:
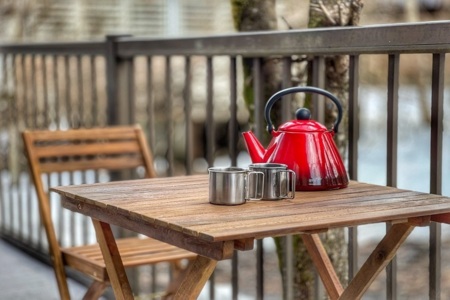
{"x":60,"y":275}
{"x":95,"y":290}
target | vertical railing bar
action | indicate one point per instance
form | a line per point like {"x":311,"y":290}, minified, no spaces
{"x":19,"y":119}
{"x":154,"y":275}
{"x":318,"y":80}
{"x":24,"y":110}
{"x":95,"y":117}
{"x":3,"y":158}
{"x":25,"y":90}
{"x":318,"y":113}
{"x":80,"y":88}
{"x":288,"y":240}
{"x":47,"y":109}
{"x":353,"y":136}
{"x":210,"y":125}
{"x":210,"y":138}
{"x":131,"y":94}
{"x":56,"y":92}
{"x":3,"y":163}
{"x":353,"y":116}
{"x":392,"y":119}
{"x":150,"y":105}
{"x":233,"y":141}
{"x":46,"y":112}
{"x":235,"y":275}
{"x":94,"y":97}
{"x":67,"y":91}
{"x":70,"y":120}
{"x":72,"y":218}
{"x":258,"y":117}
{"x":15,"y":117}
{"x":58,"y":112}
{"x":187,"y":96}
{"x":4,"y":221}
{"x":437,"y":115}
{"x":233,"y":125}
{"x":29,"y":120}
{"x":34,"y":109}
{"x":35,"y":114}
{"x":286,"y":83}
{"x":111,"y":80}
{"x":169,"y":110}
{"x":258,"y":98}
{"x":391,"y":168}
{"x":85,"y":221}
{"x":26,"y":107}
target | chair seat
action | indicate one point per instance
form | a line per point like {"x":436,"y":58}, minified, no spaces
{"x":134,"y":252}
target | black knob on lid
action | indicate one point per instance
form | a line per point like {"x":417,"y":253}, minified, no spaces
{"x":303,"y":114}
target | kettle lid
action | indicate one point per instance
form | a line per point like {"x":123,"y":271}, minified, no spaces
{"x":303,"y":123}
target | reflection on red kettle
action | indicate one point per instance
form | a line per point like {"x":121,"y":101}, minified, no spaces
{"x":306,"y":146}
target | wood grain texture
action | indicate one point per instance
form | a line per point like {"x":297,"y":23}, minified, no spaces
{"x":180,"y":204}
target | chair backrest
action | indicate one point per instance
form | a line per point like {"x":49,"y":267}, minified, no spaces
{"x":111,"y":148}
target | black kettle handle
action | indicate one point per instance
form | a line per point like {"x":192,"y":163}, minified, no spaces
{"x":298,"y":89}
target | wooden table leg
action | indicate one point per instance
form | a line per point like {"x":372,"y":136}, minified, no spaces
{"x":377,"y":261}
{"x":114,"y":265}
{"x":323,"y":265}
{"x":194,"y":278}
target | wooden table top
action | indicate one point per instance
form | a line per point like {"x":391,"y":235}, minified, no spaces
{"x":181,"y":204}
{"x":176,"y":210}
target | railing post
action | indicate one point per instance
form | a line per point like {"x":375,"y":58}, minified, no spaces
{"x":437,"y":127}
{"x":391,"y":172}
{"x":116,"y":84}
{"x":353,"y":136}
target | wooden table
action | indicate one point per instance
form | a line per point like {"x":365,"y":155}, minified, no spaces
{"x":176,"y":210}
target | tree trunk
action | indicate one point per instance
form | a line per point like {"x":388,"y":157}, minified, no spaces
{"x":332,"y":13}
{"x":257,"y":15}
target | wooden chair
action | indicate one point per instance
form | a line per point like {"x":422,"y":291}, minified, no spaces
{"x":114,"y":148}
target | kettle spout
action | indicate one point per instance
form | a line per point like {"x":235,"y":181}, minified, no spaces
{"x":254,"y":147}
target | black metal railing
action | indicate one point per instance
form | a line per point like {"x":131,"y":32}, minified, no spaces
{"x":187,"y":94}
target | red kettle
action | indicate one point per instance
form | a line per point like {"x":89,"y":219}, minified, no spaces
{"x":304,"y":145}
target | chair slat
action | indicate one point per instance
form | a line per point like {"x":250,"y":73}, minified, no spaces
{"x":125,"y":162}
{"x":86,"y":134}
{"x":71,"y":149}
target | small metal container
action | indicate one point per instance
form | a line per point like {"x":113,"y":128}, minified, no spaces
{"x":229,"y":186}
{"x":279,"y":182}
